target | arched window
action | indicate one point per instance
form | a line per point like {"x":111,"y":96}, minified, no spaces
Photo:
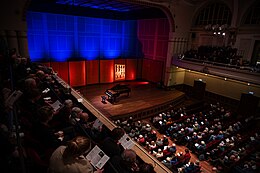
{"x":252,"y":17}
{"x":214,"y":13}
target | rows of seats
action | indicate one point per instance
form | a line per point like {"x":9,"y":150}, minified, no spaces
{"x":214,"y":134}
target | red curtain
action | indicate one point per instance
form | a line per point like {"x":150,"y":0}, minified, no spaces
{"x":77,"y":73}
{"x":62,"y":68}
{"x":106,"y":71}
{"x":92,"y":69}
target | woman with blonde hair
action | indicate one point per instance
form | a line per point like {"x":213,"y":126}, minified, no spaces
{"x":71,"y":158}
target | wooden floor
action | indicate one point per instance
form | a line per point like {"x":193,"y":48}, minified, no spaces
{"x":143,"y":95}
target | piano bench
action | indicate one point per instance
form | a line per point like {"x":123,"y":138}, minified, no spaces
{"x":103,"y":98}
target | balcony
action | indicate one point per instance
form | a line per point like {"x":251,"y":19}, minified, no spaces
{"x":240,"y":73}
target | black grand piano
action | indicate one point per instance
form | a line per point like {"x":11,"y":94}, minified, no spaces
{"x":116,"y":91}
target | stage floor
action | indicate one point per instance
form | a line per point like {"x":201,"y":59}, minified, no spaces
{"x":143,"y":95}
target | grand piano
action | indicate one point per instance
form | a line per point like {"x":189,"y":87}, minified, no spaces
{"x":116,"y":91}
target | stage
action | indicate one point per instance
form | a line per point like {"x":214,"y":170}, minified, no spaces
{"x":145,"y":99}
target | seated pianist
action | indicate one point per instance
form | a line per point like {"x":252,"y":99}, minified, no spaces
{"x":115,"y":92}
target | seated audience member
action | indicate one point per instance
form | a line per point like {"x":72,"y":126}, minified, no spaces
{"x":75,"y":115}
{"x":180,"y":157}
{"x":138,"y":124}
{"x":130,"y":121}
{"x":124,"y":163}
{"x":159,"y":143}
{"x":29,"y":84}
{"x":141,"y":140}
{"x":127,"y":128}
{"x":152,"y":136}
{"x":62,"y":118}
{"x":71,"y":159}
{"x":197,"y":166}
{"x":148,"y":128}
{"x":146,"y":168}
{"x":110,"y":145}
{"x":201,"y":146}
{"x":172,"y":148}
{"x":43,"y":132}
{"x":159,"y":154}
{"x":187,"y":156}
{"x":152,"y":146}
{"x":132,"y":133}
{"x":166,"y":151}
{"x":30,"y":103}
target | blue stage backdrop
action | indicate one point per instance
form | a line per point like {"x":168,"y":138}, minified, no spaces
{"x":59,"y":38}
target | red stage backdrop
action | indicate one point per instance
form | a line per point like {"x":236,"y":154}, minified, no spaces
{"x":106,"y":71}
{"x":131,"y":69}
{"x":62,"y":68}
{"x":92,"y":69}
{"x":77,"y":73}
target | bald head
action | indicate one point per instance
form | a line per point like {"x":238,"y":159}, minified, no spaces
{"x":129,"y":155}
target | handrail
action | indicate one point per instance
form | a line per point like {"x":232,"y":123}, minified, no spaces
{"x":140,"y":151}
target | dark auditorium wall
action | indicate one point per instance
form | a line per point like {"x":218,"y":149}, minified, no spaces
{"x":154,"y":35}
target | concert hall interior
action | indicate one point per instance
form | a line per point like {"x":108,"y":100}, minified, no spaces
{"x":130,"y":86}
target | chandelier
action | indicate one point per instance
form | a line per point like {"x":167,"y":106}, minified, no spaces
{"x":218,"y":30}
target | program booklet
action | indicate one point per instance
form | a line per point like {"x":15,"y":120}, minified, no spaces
{"x":126,"y":142}
{"x":97,"y":157}
{"x":56,"y":105}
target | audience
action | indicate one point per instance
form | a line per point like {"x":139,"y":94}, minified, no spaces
{"x":72,"y":157}
{"x":210,"y":134}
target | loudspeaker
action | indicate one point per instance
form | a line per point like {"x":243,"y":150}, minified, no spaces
{"x":199,"y":89}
